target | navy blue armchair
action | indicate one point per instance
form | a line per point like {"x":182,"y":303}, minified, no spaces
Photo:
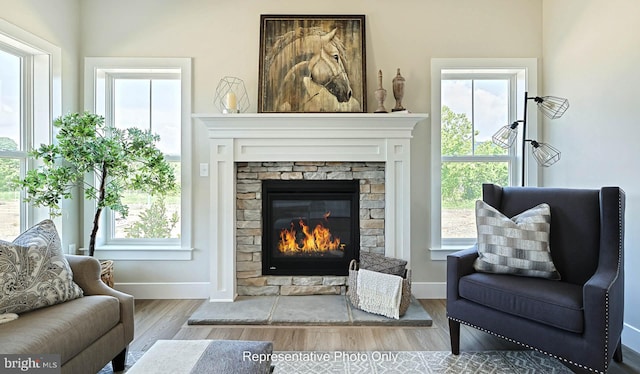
{"x":577,"y":319}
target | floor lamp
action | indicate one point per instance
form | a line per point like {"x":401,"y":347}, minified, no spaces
{"x":545,"y":154}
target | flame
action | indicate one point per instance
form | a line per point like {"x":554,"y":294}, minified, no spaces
{"x":317,"y":240}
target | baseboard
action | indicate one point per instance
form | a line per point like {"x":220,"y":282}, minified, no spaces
{"x":178,"y":290}
{"x":429,"y":290}
{"x":631,"y":337}
{"x":200,"y":290}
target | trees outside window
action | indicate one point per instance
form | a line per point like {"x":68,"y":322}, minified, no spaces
{"x":473,"y":108}
{"x":30,"y":94}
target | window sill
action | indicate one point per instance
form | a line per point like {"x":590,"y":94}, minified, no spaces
{"x":134,"y":252}
{"x":441,"y":253}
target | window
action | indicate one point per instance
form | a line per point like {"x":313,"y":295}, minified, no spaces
{"x":12,"y":154}
{"x":150,"y":94}
{"x":29,"y":98}
{"x":475,"y":98}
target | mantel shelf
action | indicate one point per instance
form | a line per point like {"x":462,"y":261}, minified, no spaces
{"x":232,"y":117}
{"x":332,"y":125}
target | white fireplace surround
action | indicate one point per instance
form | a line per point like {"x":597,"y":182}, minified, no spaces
{"x":304,"y":137}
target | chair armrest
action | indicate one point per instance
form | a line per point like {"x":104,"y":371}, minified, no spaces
{"x":459,"y":264}
{"x":603,"y":298}
{"x":86,"y":273}
{"x":603,"y":293}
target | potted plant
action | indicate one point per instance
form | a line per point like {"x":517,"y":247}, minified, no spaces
{"x":117,"y":160}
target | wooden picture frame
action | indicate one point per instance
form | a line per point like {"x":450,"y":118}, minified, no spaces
{"x":312,"y":64}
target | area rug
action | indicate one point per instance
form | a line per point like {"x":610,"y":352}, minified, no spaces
{"x":494,"y":362}
{"x":312,"y":310}
{"x":400,"y":362}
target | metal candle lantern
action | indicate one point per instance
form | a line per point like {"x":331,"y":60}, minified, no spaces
{"x":231,"y":96}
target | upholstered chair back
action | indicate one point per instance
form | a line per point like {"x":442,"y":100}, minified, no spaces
{"x":575,"y":224}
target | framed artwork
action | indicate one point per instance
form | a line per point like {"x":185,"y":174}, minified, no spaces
{"x":312,"y":64}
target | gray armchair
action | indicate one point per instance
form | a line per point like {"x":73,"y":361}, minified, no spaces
{"x":577,"y":319}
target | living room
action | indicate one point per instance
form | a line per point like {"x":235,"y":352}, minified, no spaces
{"x":583,"y":50}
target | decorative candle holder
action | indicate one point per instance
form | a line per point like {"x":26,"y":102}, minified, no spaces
{"x":231,"y":96}
{"x":381,"y":95}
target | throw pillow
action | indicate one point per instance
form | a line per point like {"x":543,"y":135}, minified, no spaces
{"x":382,"y":264}
{"x":34,"y":272}
{"x":518,"y":245}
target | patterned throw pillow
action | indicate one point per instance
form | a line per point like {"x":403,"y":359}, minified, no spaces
{"x":518,"y":245}
{"x":34,"y":272}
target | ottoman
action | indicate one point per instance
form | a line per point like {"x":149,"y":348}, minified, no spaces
{"x":205,"y":356}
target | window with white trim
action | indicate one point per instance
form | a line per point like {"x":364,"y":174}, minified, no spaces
{"x":475,"y":98}
{"x":148,"y":94}
{"x":29,"y":98}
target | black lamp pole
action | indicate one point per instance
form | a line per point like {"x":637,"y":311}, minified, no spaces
{"x":524,"y":137}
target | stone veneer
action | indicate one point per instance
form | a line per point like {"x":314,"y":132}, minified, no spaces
{"x":250,"y":280}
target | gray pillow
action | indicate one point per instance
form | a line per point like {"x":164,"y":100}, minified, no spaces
{"x":34,"y":272}
{"x":517,"y":245}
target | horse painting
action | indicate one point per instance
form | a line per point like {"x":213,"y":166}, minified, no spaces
{"x":305,"y":71}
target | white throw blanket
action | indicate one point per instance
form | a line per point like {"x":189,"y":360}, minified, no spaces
{"x":8,"y":317}
{"x":379,"y":293}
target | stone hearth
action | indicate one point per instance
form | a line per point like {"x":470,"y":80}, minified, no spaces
{"x":321,"y":137}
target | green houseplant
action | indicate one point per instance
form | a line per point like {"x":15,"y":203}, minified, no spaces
{"x":117,"y":160}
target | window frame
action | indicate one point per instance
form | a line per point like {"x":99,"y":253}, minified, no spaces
{"x":143,"y":249}
{"x":525,"y":70}
{"x":40,"y":102}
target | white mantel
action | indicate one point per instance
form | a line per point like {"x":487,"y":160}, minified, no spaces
{"x":304,"y":137}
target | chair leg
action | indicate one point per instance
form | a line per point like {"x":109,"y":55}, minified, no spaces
{"x":454,"y":334}
{"x":617,"y":355}
{"x":118,"y":363}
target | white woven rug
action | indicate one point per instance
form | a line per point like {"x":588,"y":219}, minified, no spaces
{"x":403,"y":362}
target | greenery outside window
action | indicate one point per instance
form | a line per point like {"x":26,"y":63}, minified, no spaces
{"x":472,"y":99}
{"x":29,"y":98}
{"x":154,"y":94}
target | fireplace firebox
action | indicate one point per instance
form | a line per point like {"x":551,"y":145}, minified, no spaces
{"x":310,"y":227}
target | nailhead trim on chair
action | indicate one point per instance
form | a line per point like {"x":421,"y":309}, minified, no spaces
{"x":620,"y":244}
{"x":527,"y":346}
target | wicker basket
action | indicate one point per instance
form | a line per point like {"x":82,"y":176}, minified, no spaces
{"x":352,"y":292}
{"x":107,"y":272}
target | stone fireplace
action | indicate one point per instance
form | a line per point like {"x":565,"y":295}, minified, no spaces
{"x":308,"y":191}
{"x":288,"y":146}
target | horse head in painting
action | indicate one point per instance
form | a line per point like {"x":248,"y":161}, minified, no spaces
{"x":305,"y":71}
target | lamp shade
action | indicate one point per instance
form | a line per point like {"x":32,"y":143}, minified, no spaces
{"x":505,"y":137}
{"x":551,"y":106}
{"x":545,"y":154}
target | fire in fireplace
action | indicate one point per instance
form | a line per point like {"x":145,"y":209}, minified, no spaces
{"x":309,"y":227}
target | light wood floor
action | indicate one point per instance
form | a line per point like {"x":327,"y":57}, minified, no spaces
{"x":166,"y":319}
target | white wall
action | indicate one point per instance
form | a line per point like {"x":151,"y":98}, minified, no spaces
{"x":57,"y":22}
{"x":223,"y":39}
{"x":591,"y":56}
